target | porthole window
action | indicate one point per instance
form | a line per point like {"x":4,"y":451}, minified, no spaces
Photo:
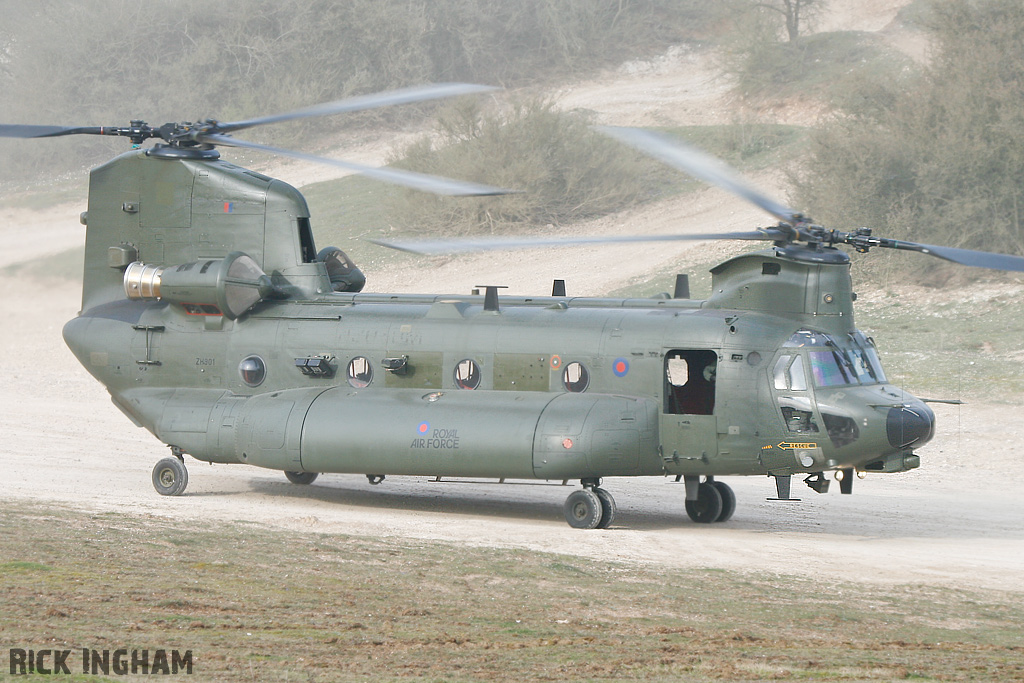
{"x":253,"y":370}
{"x":575,"y":377}
{"x":467,"y":374}
{"x":360,"y":372}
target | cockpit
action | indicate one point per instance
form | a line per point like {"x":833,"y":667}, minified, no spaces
{"x":834,"y":385}
{"x":809,"y":369}
{"x":832,"y":364}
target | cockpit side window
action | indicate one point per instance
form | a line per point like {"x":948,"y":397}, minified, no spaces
{"x":829,"y":369}
{"x":690,"y":382}
{"x":865,"y":359}
{"x":831,"y":364}
{"x":789,"y":373}
{"x":797,"y":378}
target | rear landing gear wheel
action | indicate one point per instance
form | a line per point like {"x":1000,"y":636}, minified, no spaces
{"x":728,"y":501}
{"x":583,"y":509}
{"x":301,"y":477}
{"x":608,"y":508}
{"x":170,"y":477}
{"x":708,"y":506}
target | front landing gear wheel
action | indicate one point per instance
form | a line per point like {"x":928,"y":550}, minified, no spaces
{"x":301,"y":477}
{"x":608,"y":508}
{"x":583,"y":509}
{"x":728,"y":501}
{"x":170,"y":477}
{"x":708,"y":506}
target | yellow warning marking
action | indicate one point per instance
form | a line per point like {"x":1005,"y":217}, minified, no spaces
{"x":796,"y":446}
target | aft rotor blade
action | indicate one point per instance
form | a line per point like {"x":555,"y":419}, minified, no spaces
{"x":469,"y":244}
{"x":392,"y":97}
{"x":965,"y":257}
{"x":410,"y":179}
{"x":700,"y":165}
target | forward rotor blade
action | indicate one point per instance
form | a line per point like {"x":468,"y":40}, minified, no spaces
{"x":469,"y":244}
{"x":700,"y":165}
{"x":965,"y":257}
{"x":401,"y":96}
{"x":16,"y":130}
{"x":411,"y":179}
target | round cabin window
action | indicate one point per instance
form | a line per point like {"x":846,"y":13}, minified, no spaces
{"x":360,"y":372}
{"x":467,"y":374}
{"x":253,"y":370}
{"x":575,"y":377}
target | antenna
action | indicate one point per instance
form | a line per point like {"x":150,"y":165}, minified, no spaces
{"x":491,"y":296}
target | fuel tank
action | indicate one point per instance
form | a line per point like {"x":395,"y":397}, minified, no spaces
{"x":458,"y":433}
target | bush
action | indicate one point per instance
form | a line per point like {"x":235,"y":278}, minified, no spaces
{"x":564,"y":170}
{"x":825,"y":66}
{"x":942,"y":160}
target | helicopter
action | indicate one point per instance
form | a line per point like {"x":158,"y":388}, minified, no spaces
{"x":215,"y":323}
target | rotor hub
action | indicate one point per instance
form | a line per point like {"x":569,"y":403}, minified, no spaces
{"x":173,"y":151}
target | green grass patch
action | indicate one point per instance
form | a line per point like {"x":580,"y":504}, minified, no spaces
{"x":950,"y":343}
{"x":19,"y":567}
{"x":298,"y":606}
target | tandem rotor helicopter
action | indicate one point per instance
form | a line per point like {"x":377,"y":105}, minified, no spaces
{"x":216,"y":324}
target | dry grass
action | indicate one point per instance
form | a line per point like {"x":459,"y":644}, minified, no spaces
{"x":258,"y":604}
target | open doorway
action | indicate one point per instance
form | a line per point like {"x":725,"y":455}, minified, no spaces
{"x":690,"y":382}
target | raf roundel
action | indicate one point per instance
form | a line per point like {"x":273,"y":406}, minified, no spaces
{"x":620,"y":367}
{"x":423,"y":427}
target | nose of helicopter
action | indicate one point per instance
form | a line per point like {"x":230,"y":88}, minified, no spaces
{"x":910,"y":425}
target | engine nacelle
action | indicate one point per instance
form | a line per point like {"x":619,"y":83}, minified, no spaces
{"x":228,"y":286}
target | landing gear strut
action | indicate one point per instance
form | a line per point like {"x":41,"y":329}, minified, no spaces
{"x":170,"y":476}
{"x":591,"y":507}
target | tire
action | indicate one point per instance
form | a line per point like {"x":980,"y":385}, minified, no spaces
{"x":583,"y":509}
{"x":728,"y":501}
{"x":302,"y":478}
{"x":708,"y":506}
{"x":170,"y":477}
{"x":608,"y":508}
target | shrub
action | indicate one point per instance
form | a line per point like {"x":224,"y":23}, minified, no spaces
{"x":940,"y":160}
{"x":563,"y":170}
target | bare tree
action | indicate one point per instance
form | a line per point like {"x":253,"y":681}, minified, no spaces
{"x":795,"y":13}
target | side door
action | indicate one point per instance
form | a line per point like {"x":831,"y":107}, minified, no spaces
{"x":688,"y":426}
